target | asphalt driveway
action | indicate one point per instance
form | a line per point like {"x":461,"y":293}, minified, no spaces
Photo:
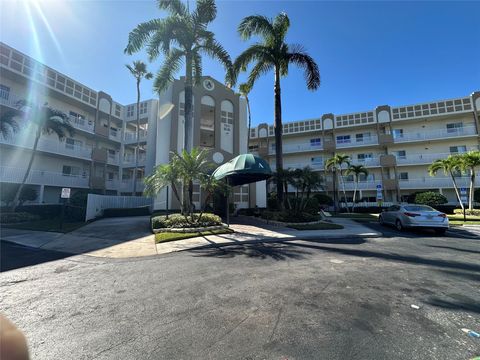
{"x":326,"y":299}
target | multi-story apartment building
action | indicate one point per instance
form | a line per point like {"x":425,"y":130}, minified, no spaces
{"x":395,"y":144}
{"x":101,"y":154}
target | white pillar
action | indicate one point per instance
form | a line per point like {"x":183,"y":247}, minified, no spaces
{"x":40,"y":194}
{"x":440,"y":190}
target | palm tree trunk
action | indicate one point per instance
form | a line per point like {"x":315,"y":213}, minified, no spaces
{"x":456,"y":190}
{"x":472,"y":189}
{"x":354,"y":193}
{"x":249,"y":122}
{"x":343,"y":189}
{"x":138,"y":140}
{"x":27,"y":173}
{"x":188,"y":104}
{"x":278,"y":134}
{"x":190,"y":197}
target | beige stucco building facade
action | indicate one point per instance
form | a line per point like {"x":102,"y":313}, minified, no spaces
{"x":395,"y":143}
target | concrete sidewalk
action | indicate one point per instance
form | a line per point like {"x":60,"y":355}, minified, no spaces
{"x":131,"y":237}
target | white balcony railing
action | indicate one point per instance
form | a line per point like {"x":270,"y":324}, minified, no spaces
{"x":127,"y":185}
{"x":129,"y":160}
{"x":435,"y":134}
{"x":313,"y":166}
{"x":368,"y":162}
{"x":40,"y":177}
{"x":362,"y":185}
{"x":49,"y":145}
{"x":293,"y":148}
{"x":434,"y":182}
{"x":113,"y":159}
{"x":10,"y":99}
{"x":131,"y":137}
{"x":115,"y":135}
{"x":371,"y":140}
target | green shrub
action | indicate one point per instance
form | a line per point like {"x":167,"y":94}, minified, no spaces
{"x":430,"y":198}
{"x":288,"y":216}
{"x":475,"y":212}
{"x":17,"y":217}
{"x":323,"y":199}
{"x":272,"y":202}
{"x":179,"y":221}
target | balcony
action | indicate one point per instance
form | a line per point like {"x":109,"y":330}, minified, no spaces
{"x":50,"y":146}
{"x":131,"y":137}
{"x":129,"y":160}
{"x":368,"y":162}
{"x":10,"y":99}
{"x":313,"y":166}
{"x":294,"y":148}
{"x":115,"y":135}
{"x":414,"y":159}
{"x":113,"y":159}
{"x":127,"y":185}
{"x":435,"y":182}
{"x":372,"y":140}
{"x":436,"y":134}
{"x":362,"y":185}
{"x":40,"y":177}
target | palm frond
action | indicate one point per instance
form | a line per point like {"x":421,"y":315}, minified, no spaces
{"x":205,"y":12}
{"x":175,"y":7}
{"x":299,"y":57}
{"x":9,"y":123}
{"x":281,"y":23}
{"x":260,"y":68}
{"x":256,"y":25}
{"x":167,"y":72}
{"x":140,"y":35}
{"x":212,"y":48}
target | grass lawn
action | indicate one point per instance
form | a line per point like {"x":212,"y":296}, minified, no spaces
{"x":172,"y":236}
{"x":47,"y":225}
{"x":457,"y":219}
{"x":318,"y":226}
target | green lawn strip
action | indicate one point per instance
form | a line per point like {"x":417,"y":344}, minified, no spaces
{"x":358,"y":217}
{"x":460,"y":217}
{"x":317,"y":226}
{"x":461,"y":222}
{"x":47,"y":225}
{"x":173,"y":236}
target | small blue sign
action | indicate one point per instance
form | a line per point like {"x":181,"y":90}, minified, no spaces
{"x":379,"y":186}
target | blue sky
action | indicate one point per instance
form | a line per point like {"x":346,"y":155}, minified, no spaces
{"x":369,"y":53}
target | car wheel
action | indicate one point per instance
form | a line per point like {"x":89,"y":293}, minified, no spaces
{"x":398,"y":225}
{"x":380,"y":220}
{"x":440,"y":231}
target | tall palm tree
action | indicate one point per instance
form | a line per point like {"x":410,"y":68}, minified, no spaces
{"x":449,"y":166}
{"x":272,"y":53}
{"x":47,"y":121}
{"x":469,"y":162}
{"x":181,"y":36}
{"x":139,"y":71}
{"x":336,"y":163}
{"x":245,"y":89}
{"x":356,"y":171}
{"x":8,"y":124}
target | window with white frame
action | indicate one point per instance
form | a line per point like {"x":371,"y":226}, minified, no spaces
{"x":68,"y":170}
{"x":364,"y":157}
{"x":317,"y":142}
{"x":252,"y":148}
{"x":71,"y":143}
{"x":459,"y":149}
{"x":316,"y":160}
{"x":343,"y":139}
{"x":226,"y":117}
{"x":400,"y":154}
{"x":369,"y":177}
{"x":454,"y":127}
{"x":397,"y":133}
{"x":130,"y":110}
{"x":143,"y":108}
{"x":360,"y":138}
{"x":403,"y":176}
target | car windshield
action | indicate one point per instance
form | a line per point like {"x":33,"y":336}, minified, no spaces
{"x":419,"y":208}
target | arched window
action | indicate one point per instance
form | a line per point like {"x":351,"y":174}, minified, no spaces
{"x":207,"y":122}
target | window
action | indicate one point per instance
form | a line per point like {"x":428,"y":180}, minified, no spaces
{"x":71,"y":143}
{"x":143,"y":108}
{"x":315,"y":142}
{"x":365,"y":157}
{"x":316,"y":160}
{"x":343,"y":139}
{"x":349,"y":178}
{"x":207,"y":122}
{"x":4,"y":92}
{"x":363,"y":177}
{"x":458,"y":149}
{"x":363,"y":137}
{"x":130,"y":109}
{"x":68,"y":170}
{"x":454,"y":128}
{"x":400,"y":154}
{"x":403,"y":176}
{"x":110,"y":175}
{"x":253,"y":148}
{"x":227,"y":117}
{"x":397,"y":133}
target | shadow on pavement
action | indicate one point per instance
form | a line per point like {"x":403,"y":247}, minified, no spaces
{"x":15,"y":256}
{"x":460,"y":274}
{"x":455,"y":249}
{"x":465,"y":304}
{"x":389,"y":232}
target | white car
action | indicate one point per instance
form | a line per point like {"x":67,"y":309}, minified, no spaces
{"x":414,"y":216}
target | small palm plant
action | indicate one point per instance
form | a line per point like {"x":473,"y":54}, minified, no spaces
{"x":273,"y":54}
{"x":469,"y":162}
{"x":47,"y":121}
{"x":356,"y":171}
{"x":182,"y":36}
{"x":139,"y":71}
{"x":448,"y":166}
{"x":336,"y":164}
{"x":162,"y":176}
{"x":8,"y":124}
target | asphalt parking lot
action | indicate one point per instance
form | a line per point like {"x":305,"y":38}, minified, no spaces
{"x":325,"y":299}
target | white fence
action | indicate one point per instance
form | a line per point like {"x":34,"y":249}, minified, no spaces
{"x":97,"y":203}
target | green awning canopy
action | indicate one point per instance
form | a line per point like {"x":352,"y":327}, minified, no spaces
{"x":243,"y":169}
